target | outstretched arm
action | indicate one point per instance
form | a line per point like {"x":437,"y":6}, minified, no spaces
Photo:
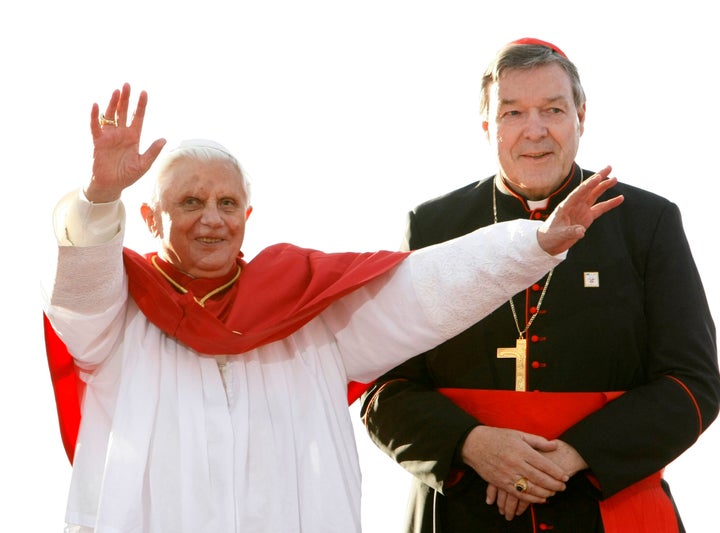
{"x":117,"y":161}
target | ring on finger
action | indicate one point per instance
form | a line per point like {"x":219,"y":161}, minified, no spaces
{"x":521,"y":485}
{"x":107,"y":122}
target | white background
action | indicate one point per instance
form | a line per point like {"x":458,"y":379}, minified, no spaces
{"x":345,"y":115}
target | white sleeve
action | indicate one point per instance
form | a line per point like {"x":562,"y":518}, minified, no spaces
{"x":86,"y":288}
{"x":461,"y":281}
{"x":435,"y":294}
{"x":79,"y":222}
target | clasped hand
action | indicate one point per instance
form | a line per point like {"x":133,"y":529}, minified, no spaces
{"x":502,"y":456}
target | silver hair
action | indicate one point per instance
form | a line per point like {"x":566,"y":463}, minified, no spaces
{"x":525,"y":57}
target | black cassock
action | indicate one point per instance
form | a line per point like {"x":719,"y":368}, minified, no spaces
{"x":626,"y":311}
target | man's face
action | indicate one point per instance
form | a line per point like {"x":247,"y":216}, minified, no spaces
{"x":200,"y":217}
{"x":534,"y":127}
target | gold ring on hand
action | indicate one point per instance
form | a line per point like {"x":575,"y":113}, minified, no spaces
{"x":107,"y":122}
{"x":521,"y":485}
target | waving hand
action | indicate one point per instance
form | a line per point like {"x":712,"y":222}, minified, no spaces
{"x":117,"y":161}
{"x":569,"y":221}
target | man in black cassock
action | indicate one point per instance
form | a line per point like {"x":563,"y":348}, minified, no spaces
{"x":612,"y":357}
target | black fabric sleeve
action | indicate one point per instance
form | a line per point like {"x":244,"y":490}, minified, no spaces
{"x":416,"y":426}
{"x":649,"y":426}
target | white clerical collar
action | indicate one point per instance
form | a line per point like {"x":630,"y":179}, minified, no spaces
{"x":532,"y":204}
{"x":537,"y":204}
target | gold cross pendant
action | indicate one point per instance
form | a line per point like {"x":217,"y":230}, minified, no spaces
{"x":519,"y":353}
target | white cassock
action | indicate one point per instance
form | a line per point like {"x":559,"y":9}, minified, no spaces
{"x":175,"y":442}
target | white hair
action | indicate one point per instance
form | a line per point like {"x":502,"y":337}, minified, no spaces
{"x":200,"y":150}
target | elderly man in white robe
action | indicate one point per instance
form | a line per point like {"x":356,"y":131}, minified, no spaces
{"x":211,"y":393}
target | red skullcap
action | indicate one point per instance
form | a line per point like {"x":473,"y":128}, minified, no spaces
{"x":532,"y":40}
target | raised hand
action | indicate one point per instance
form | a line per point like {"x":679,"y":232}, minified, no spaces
{"x":117,"y":161}
{"x":569,"y":221}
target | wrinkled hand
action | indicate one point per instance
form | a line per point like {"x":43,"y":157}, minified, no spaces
{"x":117,"y":161}
{"x":502,"y":456}
{"x":569,"y":221}
{"x":508,"y":503}
{"x":567,"y":458}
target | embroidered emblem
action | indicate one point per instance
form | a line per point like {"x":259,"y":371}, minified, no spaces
{"x":591,"y":279}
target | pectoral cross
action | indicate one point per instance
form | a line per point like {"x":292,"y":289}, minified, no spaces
{"x":519,"y":353}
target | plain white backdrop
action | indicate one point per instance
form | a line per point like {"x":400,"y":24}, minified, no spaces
{"x":345,"y":115}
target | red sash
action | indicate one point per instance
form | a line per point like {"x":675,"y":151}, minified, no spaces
{"x":641,"y":508}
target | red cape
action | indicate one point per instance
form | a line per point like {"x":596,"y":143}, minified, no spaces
{"x":279,"y":291}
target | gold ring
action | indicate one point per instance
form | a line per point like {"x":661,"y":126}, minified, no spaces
{"x":107,"y":122}
{"x":521,"y":485}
